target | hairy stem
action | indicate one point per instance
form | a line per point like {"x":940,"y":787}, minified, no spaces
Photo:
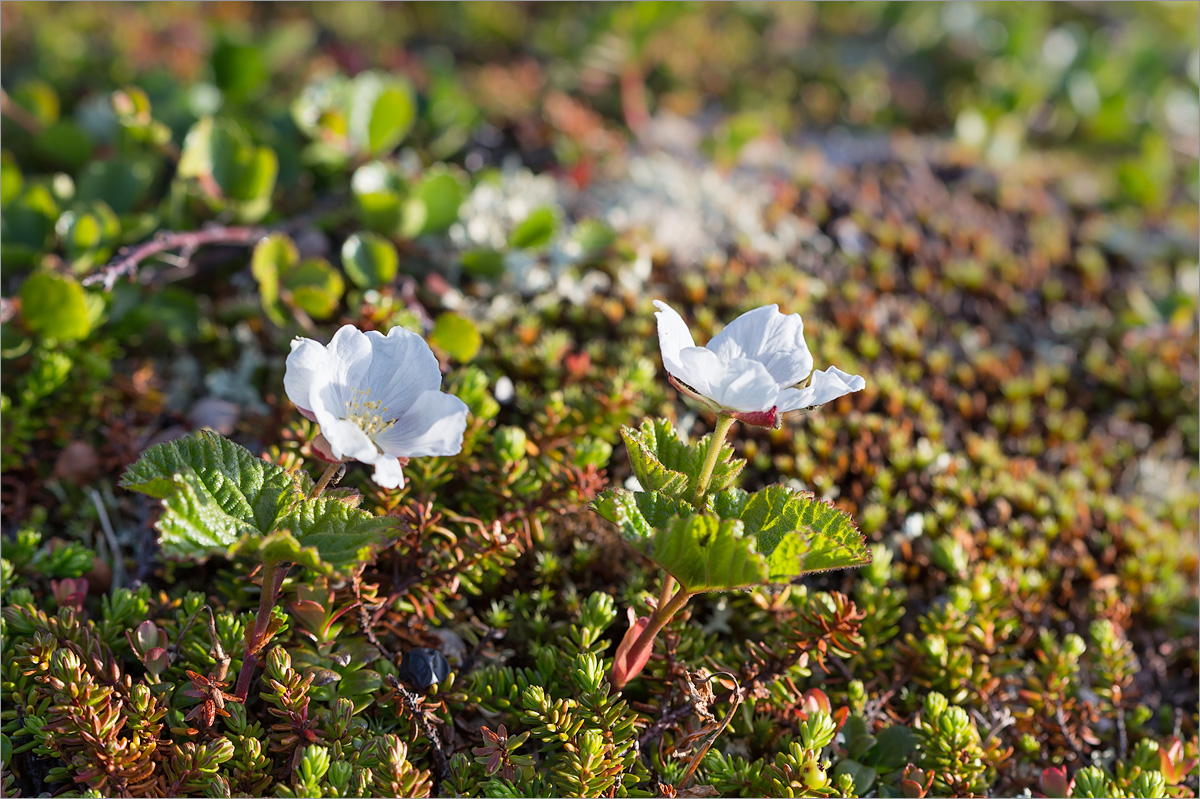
{"x":661,"y":617}
{"x":631,"y":658}
{"x":323,"y":483}
{"x":714,"y":451}
{"x":272,"y":581}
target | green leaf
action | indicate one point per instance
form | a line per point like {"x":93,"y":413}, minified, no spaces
{"x":26,"y":225}
{"x":441,"y":192}
{"x":638,"y":514}
{"x":863,"y":776}
{"x":238,"y":69}
{"x":214,"y":493}
{"x":278,"y":547}
{"x":642,"y":445}
{"x":798,"y":533}
{"x":122,"y":183}
{"x":662,"y":462}
{"x":244,"y":174}
{"x":219,"y":499}
{"x":88,"y":232}
{"x":593,"y":236}
{"x":379,"y":192}
{"x":487,"y":264}
{"x":344,"y":536}
{"x":705,"y":553}
{"x":55,"y":305}
{"x":380,"y":114}
{"x":10,"y":179}
{"x":315,"y":287}
{"x":892,"y":748}
{"x":535,"y":230}
{"x":272,"y":256}
{"x":65,"y":145}
{"x":370,"y":260}
{"x":457,"y":335}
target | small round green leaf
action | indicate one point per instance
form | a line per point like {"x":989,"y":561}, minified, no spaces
{"x":487,"y":264}
{"x":53,"y":305}
{"x":535,"y":230}
{"x":370,"y":260}
{"x":315,"y":287}
{"x":442,"y":192}
{"x":457,"y":335}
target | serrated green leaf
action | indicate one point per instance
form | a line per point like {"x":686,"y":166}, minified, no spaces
{"x":647,"y":466}
{"x":662,"y":462}
{"x":344,"y":536}
{"x":798,"y":533}
{"x":214,"y":493}
{"x":219,"y":499}
{"x":638,"y":514}
{"x":705,"y":553}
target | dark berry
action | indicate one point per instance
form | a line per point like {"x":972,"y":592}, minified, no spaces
{"x":422,"y":668}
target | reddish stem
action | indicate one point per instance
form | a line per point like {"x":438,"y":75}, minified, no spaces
{"x":629,"y":662}
{"x":186,"y":241}
{"x":272,"y":581}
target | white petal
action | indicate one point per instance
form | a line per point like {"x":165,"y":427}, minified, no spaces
{"x":776,"y":340}
{"x":825,"y":387}
{"x":701,"y":369}
{"x":347,"y":367}
{"x":389,"y":473}
{"x":745,"y":385}
{"x":306,"y":363}
{"x":434,"y":425}
{"x":347,"y":441}
{"x":673,"y":336}
{"x":402,"y":367}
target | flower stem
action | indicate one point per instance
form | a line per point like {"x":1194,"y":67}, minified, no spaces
{"x":714,"y":450}
{"x":661,"y":617}
{"x":323,"y":483}
{"x":634,"y":650}
{"x":272,"y":580}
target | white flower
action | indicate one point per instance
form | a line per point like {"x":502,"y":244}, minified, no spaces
{"x":750,"y":369}
{"x":376,"y":398}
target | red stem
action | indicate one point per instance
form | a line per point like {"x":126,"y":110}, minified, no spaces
{"x":273,"y":576}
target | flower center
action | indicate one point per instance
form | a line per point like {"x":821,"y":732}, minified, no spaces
{"x":366,"y":413}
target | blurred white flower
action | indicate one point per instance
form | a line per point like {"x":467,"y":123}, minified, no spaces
{"x":751,"y":368}
{"x":376,"y":398}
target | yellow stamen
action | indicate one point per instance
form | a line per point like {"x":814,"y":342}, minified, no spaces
{"x":367,"y":414}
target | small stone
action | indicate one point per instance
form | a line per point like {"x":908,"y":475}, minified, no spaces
{"x":217,"y":414}
{"x":78,"y":463}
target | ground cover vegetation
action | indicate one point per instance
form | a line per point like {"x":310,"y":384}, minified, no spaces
{"x":594,"y":560}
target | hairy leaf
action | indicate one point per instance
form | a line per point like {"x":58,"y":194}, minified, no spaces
{"x":638,"y":514}
{"x":662,"y":462}
{"x":705,"y":553}
{"x":798,"y":533}
{"x":219,"y":499}
{"x":208,"y":480}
